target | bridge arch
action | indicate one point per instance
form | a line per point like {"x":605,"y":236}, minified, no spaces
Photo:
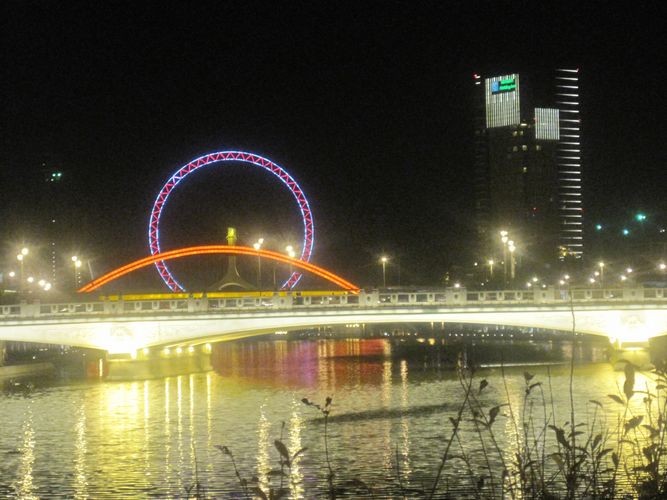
{"x":217,"y":249}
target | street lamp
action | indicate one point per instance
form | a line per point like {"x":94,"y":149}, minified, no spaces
{"x":21,"y":258}
{"x":662,"y":266}
{"x":384,"y":261}
{"x":257,"y":246}
{"x":290,"y":253}
{"x":491,"y":269}
{"x":512,"y":249}
{"x":601,"y":265}
{"x":504,"y":238}
{"x":77,"y":264}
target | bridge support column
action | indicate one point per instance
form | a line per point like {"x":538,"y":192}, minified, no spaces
{"x":637,"y":353}
{"x":157,"y":363}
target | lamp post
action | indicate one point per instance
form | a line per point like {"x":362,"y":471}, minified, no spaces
{"x":512,"y":249}
{"x":21,"y":257}
{"x":383,"y":261}
{"x":77,"y":263}
{"x":504,"y":238}
{"x":290,"y":253}
{"x":491,"y":269}
{"x":601,"y":266}
{"x":257,"y":246}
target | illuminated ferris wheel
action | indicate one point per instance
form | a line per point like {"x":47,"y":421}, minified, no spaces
{"x":222,"y":157}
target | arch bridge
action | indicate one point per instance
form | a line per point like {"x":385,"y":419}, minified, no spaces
{"x":129,"y":324}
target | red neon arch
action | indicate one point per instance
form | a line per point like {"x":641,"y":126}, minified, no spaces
{"x":216,"y":249}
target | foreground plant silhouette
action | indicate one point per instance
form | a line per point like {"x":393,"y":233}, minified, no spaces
{"x":549,"y":459}
{"x":252,"y":488}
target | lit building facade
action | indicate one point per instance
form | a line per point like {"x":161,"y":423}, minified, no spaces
{"x":528,"y":168}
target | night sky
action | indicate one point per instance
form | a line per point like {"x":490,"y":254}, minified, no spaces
{"x":366,"y":104}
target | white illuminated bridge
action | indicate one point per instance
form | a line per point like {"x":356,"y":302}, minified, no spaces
{"x":122,"y":326}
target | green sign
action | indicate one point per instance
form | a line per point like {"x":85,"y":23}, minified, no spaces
{"x":507,"y":85}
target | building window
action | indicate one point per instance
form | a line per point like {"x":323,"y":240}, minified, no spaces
{"x":515,"y":148}
{"x":538,"y":148}
{"x":525,"y":170}
{"x":524,"y":148}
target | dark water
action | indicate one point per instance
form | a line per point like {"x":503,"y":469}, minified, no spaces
{"x":158,"y":437}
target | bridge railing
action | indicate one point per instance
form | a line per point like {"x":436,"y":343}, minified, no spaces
{"x":370,"y":299}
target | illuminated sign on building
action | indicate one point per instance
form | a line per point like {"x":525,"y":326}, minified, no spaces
{"x":502,"y":101}
{"x":507,"y":85}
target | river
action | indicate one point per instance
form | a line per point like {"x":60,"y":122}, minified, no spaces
{"x":390,"y":418}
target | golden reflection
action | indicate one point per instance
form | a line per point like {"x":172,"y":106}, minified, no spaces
{"x":191,"y":426}
{"x":147,"y":435}
{"x":25,"y":487}
{"x":167,"y":433}
{"x":80,"y":451}
{"x":295,"y":428}
{"x":179,"y":428}
{"x":263,"y":446}
{"x":209,"y":420}
{"x":405,"y":422}
{"x":387,"y":454}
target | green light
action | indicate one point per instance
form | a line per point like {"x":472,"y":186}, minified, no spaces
{"x":598,"y":227}
{"x":640,"y":217}
{"x":626,"y":232}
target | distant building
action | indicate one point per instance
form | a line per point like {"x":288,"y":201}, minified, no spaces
{"x":53,"y":205}
{"x":528,"y":166}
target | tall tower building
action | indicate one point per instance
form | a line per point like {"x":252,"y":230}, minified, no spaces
{"x":569,"y":162}
{"x":528,"y":166}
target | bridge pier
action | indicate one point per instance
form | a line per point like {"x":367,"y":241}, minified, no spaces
{"x":159,"y":363}
{"x":637,"y":353}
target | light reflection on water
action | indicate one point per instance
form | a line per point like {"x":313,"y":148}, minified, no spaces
{"x":157,"y":437}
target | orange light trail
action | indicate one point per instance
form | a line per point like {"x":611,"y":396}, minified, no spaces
{"x":217,"y":249}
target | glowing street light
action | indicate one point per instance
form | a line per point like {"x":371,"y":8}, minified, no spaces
{"x":512,"y":248}
{"x":25,"y":251}
{"x":662,"y":266}
{"x":601,"y":266}
{"x":30,"y":279}
{"x":12,"y":274}
{"x":504,"y":238}
{"x":383,"y":261}
{"x":257,"y":246}
{"x":77,"y":264}
{"x":290,"y":253}
{"x":491,"y":263}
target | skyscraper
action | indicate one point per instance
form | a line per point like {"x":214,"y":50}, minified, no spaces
{"x":528,"y":167}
